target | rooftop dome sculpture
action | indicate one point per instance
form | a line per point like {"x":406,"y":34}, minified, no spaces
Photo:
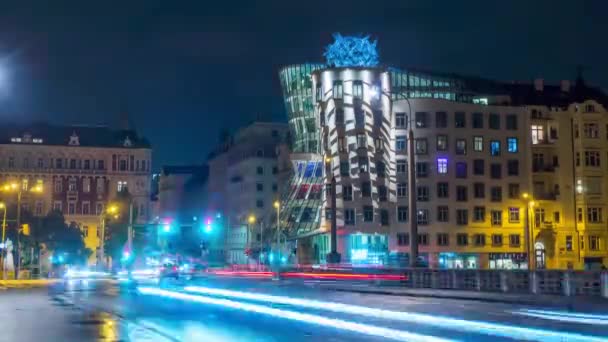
{"x":348,"y":51}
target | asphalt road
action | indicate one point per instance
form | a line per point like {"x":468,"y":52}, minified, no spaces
{"x":234,"y":310}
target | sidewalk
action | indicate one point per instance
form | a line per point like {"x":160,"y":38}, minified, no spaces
{"x":575,"y":303}
{"x":24,"y":283}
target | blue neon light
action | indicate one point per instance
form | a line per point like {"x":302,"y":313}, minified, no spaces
{"x":352,"y":51}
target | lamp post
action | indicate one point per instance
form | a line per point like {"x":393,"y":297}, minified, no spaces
{"x":527,"y":236}
{"x":333,"y":257}
{"x":250,"y":222}
{"x":112,"y":210}
{"x":18,"y":188}
{"x":3,"y":207}
{"x":277,"y":206}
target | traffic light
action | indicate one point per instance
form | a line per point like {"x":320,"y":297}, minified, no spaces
{"x":25,"y":229}
{"x":208,"y":228}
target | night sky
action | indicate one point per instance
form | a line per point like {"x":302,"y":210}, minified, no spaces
{"x":183,"y":72}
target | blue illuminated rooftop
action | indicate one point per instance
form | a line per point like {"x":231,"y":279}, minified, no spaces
{"x":350,"y":51}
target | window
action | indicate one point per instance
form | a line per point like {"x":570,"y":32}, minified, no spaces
{"x":421,"y":120}
{"x":496,"y":194}
{"x":511,"y":122}
{"x":494,"y":121}
{"x":479,"y":240}
{"x":71,"y":208}
{"x":122,"y":165}
{"x":461,"y":146}
{"x":38,"y":208}
{"x":594,"y":215}
{"x":421,"y":146}
{"x":477,"y":120}
{"x":380,"y":168}
{"x":578,"y":159}
{"x":338,"y":90}
{"x":514,"y":240}
{"x":442,"y":143}
{"x":403,"y":239}
{"x":592,"y":158}
{"x":442,"y":165}
{"x":58,"y":185}
{"x":513,"y":167}
{"x":478,"y":167}
{"x":462,"y":216}
{"x":382,"y":193}
{"x":363,"y":164}
{"x":349,"y":216}
{"x":402,"y":214}
{"x":579,"y":214}
{"x":512,"y":146}
{"x":537,"y":134}
{"x":442,"y":190}
{"x":58,"y":205}
{"x":341,"y":144}
{"x":496,"y":217}
{"x":513,"y":215}
{"x":359,"y":117}
{"x":400,"y":143}
{"x":344,"y":169}
{"x":591,"y":130}
{"x":461,"y":193}
{"x":361,"y":140}
{"x":514,"y":191}
{"x":98,"y":208}
{"x":443,"y":239}
{"x":378,"y":117}
{"x":58,"y":163}
{"x":479,"y":214}
{"x":384,"y":220}
{"x":495,"y":147}
{"x":422,"y":169}
{"x":569,"y":243}
{"x":339,"y":116}
{"x":259,"y":187}
{"x":275,"y":170}
{"x":275,"y":187}
{"x":479,"y":190}
{"x":100,"y":187}
{"x":441,"y":120}
{"x":400,"y":120}
{"x":379,"y":144}
{"x":368,"y":213}
{"x":461,"y":170}
{"x":121,"y":186}
{"x":478,"y":144}
{"x":442,"y":213}
{"x":422,"y":193}
{"x":594,"y":243}
{"x":319,"y":94}
{"x":401,"y":166}
{"x":72,"y":185}
{"x":401,"y":189}
{"x":462,"y":239}
{"x":259,"y":170}
{"x":496,"y":239}
{"x":73,"y":163}
{"x":40,"y":163}
{"x":358,"y":89}
{"x":366,"y":189}
{"x":459,"y":120}
{"x":86,"y":208}
{"x":496,"y":171}
{"x":101,"y":166}
{"x":86,"y":185}
{"x":423,"y":216}
{"x":423,"y":239}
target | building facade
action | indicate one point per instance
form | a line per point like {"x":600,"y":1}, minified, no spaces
{"x":81,"y":169}
{"x":244,"y":178}
{"x":508,"y":176}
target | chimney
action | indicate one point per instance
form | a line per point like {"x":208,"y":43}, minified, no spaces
{"x":539,"y":84}
{"x":565,"y":85}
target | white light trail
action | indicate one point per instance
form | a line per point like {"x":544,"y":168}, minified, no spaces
{"x":565,"y":316}
{"x":496,"y":329}
{"x":398,"y":335}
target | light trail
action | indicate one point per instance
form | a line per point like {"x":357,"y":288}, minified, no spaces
{"x":366,"y":329}
{"x":565,"y":316}
{"x":496,"y":329}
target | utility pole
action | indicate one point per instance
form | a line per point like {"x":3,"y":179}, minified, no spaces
{"x":413,"y":213}
{"x":130,"y":229}
{"x":333,"y":257}
{"x":18,"y":235}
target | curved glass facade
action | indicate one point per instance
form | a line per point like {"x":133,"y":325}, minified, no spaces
{"x":296,"y":84}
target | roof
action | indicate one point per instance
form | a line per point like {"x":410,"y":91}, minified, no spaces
{"x":85,"y":136}
{"x":184,"y":169}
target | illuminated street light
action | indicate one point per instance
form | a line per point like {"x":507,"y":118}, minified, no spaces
{"x":251,"y":219}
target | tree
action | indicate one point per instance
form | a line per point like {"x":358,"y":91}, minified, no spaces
{"x":62,"y":239}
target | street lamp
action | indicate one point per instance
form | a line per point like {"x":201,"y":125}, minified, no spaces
{"x":19,"y":188}
{"x":277,"y":206}
{"x":251,"y":221}
{"x":527,"y":235}
{"x":333,"y":257}
{"x":113,"y":211}
{"x":3,"y":207}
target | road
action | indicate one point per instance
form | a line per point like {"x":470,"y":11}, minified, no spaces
{"x":262,"y":310}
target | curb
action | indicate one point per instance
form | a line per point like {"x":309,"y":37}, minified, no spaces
{"x":27,"y":283}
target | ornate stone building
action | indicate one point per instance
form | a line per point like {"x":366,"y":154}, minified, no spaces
{"x":81,"y":169}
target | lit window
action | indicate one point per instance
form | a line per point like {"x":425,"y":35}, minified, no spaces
{"x":442,"y":165}
{"x":461,"y":146}
{"x":594,"y":215}
{"x":338,"y":90}
{"x":423,"y":216}
{"x":537,"y":134}
{"x":594,"y":242}
{"x":400,"y":120}
{"x":496,"y":218}
{"x":421,"y":146}
{"x":591,"y":130}
{"x":495,"y":147}
{"x":421,"y":120}
{"x":400,"y":143}
{"x":442,"y":143}
{"x":121,"y":186}
{"x":512,"y":145}
{"x":513,"y":215}
{"x":358,"y":89}
{"x":478,"y":144}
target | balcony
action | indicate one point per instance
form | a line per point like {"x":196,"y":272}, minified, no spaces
{"x":545,"y":196}
{"x":543,"y":168}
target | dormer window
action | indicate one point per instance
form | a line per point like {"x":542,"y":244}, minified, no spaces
{"x":127,"y":142}
{"x":74,"y":140}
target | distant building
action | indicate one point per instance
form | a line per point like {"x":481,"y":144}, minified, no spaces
{"x":182,"y":191}
{"x":244,"y":180}
{"x":81,"y":169}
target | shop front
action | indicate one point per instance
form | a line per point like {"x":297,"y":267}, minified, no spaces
{"x":368,"y":249}
{"x":451,"y":260}
{"x":508,"y":261}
